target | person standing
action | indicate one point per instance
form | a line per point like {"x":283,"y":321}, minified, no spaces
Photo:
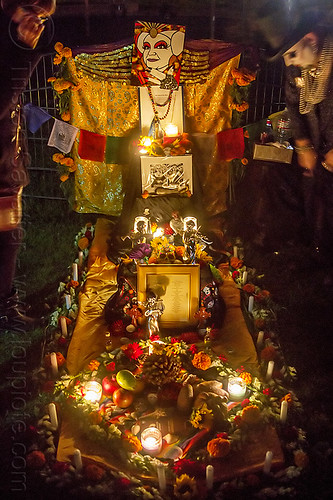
{"x":24,"y":38}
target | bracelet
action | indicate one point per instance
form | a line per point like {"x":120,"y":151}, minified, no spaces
{"x":327,"y":166}
{"x":302,"y":149}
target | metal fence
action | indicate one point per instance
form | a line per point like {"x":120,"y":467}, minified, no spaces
{"x":266,"y":97}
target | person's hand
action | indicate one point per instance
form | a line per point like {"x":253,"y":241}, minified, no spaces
{"x":306,"y":157}
{"x":29,"y":29}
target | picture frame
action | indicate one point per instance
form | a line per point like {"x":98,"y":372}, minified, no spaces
{"x":178,"y":285}
{"x":163,"y":175}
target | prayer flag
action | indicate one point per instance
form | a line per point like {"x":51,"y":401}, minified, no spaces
{"x":116,"y":149}
{"x":62,"y":136}
{"x":35,"y":117}
{"x":230,"y":144}
{"x":92,"y":146}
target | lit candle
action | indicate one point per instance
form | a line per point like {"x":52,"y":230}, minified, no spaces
{"x":283,"y":412}
{"x":260,"y":338}
{"x":159,"y":232}
{"x":77,"y":459}
{"x":53,"y":415}
{"x":244,"y":280}
{"x":209,"y":477}
{"x":93,"y":391}
{"x":171,"y":130}
{"x":270,"y":368}
{"x":268,"y":462}
{"x":80,"y":258}
{"x":235,"y":251}
{"x":63,"y":324}
{"x":151,"y":440}
{"x":54,"y":364}
{"x":236,"y":388}
{"x":75,"y":272}
{"x":68,"y":300}
{"x":161,"y":477}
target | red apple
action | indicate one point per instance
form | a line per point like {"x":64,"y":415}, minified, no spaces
{"x":109,"y":385}
{"x":122,"y":398}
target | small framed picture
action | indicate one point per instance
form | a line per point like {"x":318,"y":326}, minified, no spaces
{"x":162,"y":175}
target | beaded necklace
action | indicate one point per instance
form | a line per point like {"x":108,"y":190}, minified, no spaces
{"x":154,"y":104}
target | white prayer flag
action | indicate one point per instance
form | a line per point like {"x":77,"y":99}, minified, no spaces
{"x":62,"y":136}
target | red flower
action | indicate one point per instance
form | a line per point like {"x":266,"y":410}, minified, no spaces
{"x":60,"y":467}
{"x":35,"y":460}
{"x":268,"y":353}
{"x":249,"y":288}
{"x":117,"y":328}
{"x":190,"y":467}
{"x":132,"y":351}
{"x":94,"y":472}
{"x":238,"y":421}
{"x":267,"y":391}
{"x":174,"y":341}
{"x":223,"y":358}
{"x":193,"y":349}
{"x":245,"y":402}
{"x":235,"y":274}
{"x":111,"y":366}
{"x":222,"y":435}
{"x":62,"y":341}
{"x":123,"y":482}
{"x":189,"y":337}
{"x":154,"y":338}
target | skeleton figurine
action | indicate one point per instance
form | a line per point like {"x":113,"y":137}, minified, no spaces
{"x":154,"y":310}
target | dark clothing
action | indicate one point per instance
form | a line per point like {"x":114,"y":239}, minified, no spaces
{"x":16,"y":65}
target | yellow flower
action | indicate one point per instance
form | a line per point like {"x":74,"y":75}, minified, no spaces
{"x":201,"y":360}
{"x":218,"y":447}
{"x":57,"y":59}
{"x":93,"y":365}
{"x":185,"y":487}
{"x":61,"y":84}
{"x":202,"y":418}
{"x":66,"y":116}
{"x":57,"y":157}
{"x":131,"y":443}
{"x":67,"y":52}
{"x":246,"y":376}
{"x":51,"y":79}
{"x":64,"y":177}
{"x":58,"y":47}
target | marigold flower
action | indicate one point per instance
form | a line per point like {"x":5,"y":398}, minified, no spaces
{"x":58,"y":47}
{"x":131,"y":443}
{"x":246,"y":376}
{"x":51,"y":79}
{"x":236,"y":263}
{"x":72,"y":167}
{"x":246,"y":134}
{"x":83,"y":243}
{"x":66,"y":116}
{"x":218,"y":447}
{"x":57,"y":59}
{"x":145,"y":195}
{"x":288,"y":398}
{"x":57,"y":157}
{"x":251,"y":414}
{"x":201,"y":360}
{"x":68,"y":162}
{"x":67,"y":52}
{"x":301,"y":459}
{"x":64,"y":177}
{"x":93,"y":365}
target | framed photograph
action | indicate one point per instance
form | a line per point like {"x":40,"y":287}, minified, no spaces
{"x":178,"y":285}
{"x":173,"y":111}
{"x":162,"y":175}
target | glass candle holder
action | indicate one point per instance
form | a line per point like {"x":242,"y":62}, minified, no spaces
{"x":93,"y":391}
{"x":151,"y":440}
{"x":236,"y":388}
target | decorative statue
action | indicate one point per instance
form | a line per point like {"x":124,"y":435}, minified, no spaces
{"x":191,"y":239}
{"x":154,"y":310}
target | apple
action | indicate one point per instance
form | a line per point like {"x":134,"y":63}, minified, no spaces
{"x":122,"y":398}
{"x":109,"y":385}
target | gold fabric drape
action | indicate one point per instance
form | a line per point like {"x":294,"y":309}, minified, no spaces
{"x":107,"y":104}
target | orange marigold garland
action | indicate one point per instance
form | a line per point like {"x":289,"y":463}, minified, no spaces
{"x":218,"y":447}
{"x":201,"y":360}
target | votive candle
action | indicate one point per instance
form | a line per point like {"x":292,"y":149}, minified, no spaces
{"x":235,"y":251}
{"x":260,"y":338}
{"x":236,"y":388}
{"x":171,"y":130}
{"x":63,"y":325}
{"x":270,"y":368}
{"x":283,"y":412}
{"x":77,"y":459}
{"x":251,"y":303}
{"x":80,"y":258}
{"x":68,"y":301}
{"x":93,"y":391}
{"x":151,"y":440}
{"x":244,"y":280}
{"x":54,"y":364}
{"x":75,"y":272}
{"x":209,"y":477}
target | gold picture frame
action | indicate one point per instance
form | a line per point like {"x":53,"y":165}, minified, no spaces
{"x":178,"y":285}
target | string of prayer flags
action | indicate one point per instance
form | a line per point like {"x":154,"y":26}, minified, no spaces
{"x":35,"y":117}
{"x":91,"y":146}
{"x":230,"y":144}
{"x":116,"y":149}
{"x":62,"y":136}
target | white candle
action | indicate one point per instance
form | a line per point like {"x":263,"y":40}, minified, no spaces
{"x":171,"y":130}
{"x":268,"y":462}
{"x":151,"y":440}
{"x":244,"y":277}
{"x":236,"y":388}
{"x":54,"y":364}
{"x":77,"y":459}
{"x":80,"y":258}
{"x":93,"y":391}
{"x":68,"y":300}
{"x":251,"y":302}
{"x":270,"y":368}
{"x":283,"y":412}
{"x":63,"y":324}
{"x":235,"y":251}
{"x":260,"y":338}
{"x":75,"y":272}
{"x":53,"y":415}
{"x":161,"y":477}
{"x":209,"y":477}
